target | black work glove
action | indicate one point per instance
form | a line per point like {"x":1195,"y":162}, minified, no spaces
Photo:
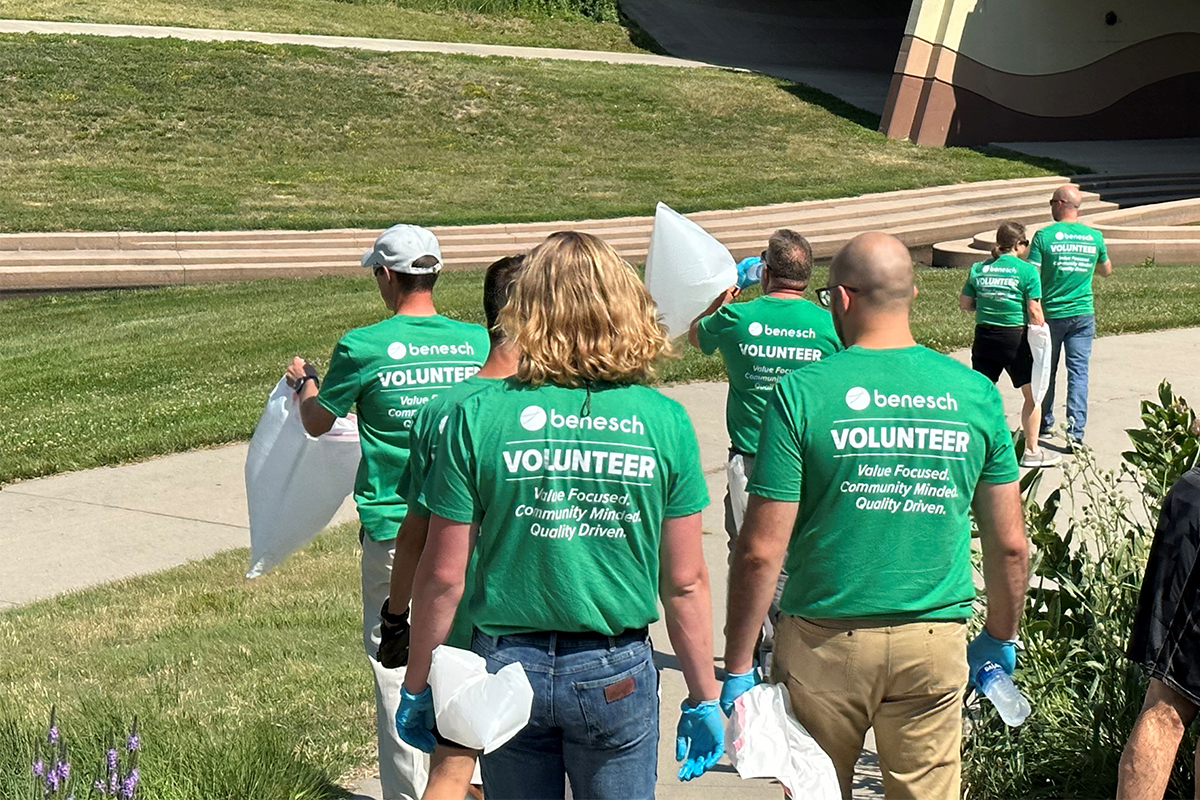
{"x":393,"y":638}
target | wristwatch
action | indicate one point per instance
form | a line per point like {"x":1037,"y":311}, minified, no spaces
{"x":308,"y":376}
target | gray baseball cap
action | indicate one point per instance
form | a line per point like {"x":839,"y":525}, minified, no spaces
{"x":399,"y":246}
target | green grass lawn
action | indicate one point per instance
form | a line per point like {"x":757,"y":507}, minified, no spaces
{"x":514,"y":22}
{"x":256,"y":690}
{"x":137,"y":134}
{"x":106,"y":377}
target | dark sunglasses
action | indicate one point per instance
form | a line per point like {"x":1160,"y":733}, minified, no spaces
{"x":825,"y":292}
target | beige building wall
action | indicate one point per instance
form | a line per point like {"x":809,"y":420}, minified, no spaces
{"x":977,"y":71}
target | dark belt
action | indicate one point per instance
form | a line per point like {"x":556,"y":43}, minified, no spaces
{"x":561,"y":642}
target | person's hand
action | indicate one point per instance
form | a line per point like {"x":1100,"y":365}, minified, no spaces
{"x":393,"y":638}
{"x":985,"y":647}
{"x":414,"y":719}
{"x":699,"y":739}
{"x":737,"y":684}
{"x":295,"y":371}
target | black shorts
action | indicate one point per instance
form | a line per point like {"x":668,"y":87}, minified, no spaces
{"x":1166,"y":630}
{"x":998,"y":349}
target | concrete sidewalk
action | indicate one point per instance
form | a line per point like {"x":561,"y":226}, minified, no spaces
{"x":356,"y":42}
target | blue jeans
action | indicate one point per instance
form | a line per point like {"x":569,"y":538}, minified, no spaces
{"x":594,"y":718}
{"x":1073,"y":334}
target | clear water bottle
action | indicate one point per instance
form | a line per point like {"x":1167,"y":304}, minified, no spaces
{"x":996,"y":685}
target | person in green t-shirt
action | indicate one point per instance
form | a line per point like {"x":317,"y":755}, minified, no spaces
{"x":1005,"y":294}
{"x":869,"y":464}
{"x":582,"y":490}
{"x":386,"y":372}
{"x":761,"y":341}
{"x":452,"y":766}
{"x":1069,"y":253}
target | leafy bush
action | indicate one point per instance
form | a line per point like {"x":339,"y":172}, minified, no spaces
{"x":1087,"y":564}
{"x":598,"y":10}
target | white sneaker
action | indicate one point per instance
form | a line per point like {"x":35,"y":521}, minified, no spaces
{"x":1042,"y":458}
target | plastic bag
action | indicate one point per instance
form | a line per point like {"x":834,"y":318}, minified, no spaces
{"x":764,"y":740}
{"x":1039,"y":344}
{"x":474,"y":708}
{"x":294,"y":483}
{"x":686,"y":268}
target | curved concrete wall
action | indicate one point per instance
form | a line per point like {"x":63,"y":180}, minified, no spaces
{"x":977,"y":71}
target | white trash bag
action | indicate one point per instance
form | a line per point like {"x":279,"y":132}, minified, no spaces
{"x":294,"y":483}
{"x":764,"y":740}
{"x":474,"y":708}
{"x":1039,"y":344}
{"x":686,"y":268}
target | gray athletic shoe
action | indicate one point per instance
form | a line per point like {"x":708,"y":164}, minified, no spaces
{"x":1042,"y":458}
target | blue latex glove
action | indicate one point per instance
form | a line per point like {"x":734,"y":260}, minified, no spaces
{"x":736,"y":685}
{"x":699,"y":739}
{"x":985,"y":648}
{"x":749,"y":271}
{"x":414,"y":719}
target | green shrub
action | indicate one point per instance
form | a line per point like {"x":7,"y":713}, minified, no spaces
{"x":598,"y":10}
{"x":1087,"y":564}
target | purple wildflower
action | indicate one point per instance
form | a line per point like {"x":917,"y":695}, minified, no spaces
{"x":39,"y":769}
{"x":112,"y":759}
{"x":113,"y":780}
{"x":63,"y":769}
{"x":52,"y":781}
{"x":99,"y":786}
{"x":132,"y":743}
{"x":130,"y":784}
{"x":52,"y":734}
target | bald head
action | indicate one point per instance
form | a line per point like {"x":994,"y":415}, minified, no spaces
{"x":879,"y":266}
{"x":1065,"y":202}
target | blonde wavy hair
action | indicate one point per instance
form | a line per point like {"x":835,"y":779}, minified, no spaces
{"x":580,"y":314}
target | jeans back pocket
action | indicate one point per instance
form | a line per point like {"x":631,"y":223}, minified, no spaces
{"x":620,"y":709}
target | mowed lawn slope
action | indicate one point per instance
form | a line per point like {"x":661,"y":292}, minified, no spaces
{"x":94,"y":379}
{"x":512,"y":22}
{"x":102,"y":134}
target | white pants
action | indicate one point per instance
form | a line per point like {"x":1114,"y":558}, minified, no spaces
{"x":737,"y":475}
{"x":403,"y":769}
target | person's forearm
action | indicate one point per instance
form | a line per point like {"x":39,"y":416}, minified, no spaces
{"x":1000,"y":516}
{"x":434,"y":603}
{"x":688,"y":612}
{"x":410,"y":541}
{"x":752,"y":581}
{"x":315,"y":418}
{"x":1104,"y":269}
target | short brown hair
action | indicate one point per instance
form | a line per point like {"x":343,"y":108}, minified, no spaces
{"x":497,"y":282}
{"x":1010,"y":234}
{"x":789,"y":257}
{"x":580,"y":314}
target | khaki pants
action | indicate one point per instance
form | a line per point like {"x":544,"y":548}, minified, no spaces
{"x":905,"y":680}
{"x":403,"y":769}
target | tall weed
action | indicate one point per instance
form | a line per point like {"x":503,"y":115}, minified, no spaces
{"x":1087,"y":564}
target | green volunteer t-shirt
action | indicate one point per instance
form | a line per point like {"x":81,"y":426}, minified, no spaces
{"x":569,"y":488}
{"x":1002,"y":288}
{"x":1067,"y":254}
{"x":761,"y":341}
{"x":882,"y":449}
{"x":387,"y":371}
{"x":426,"y":430}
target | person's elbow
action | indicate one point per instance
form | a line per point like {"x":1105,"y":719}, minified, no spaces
{"x":685,"y":581}
{"x":317,"y":420}
{"x":1105,"y":268}
{"x":693,"y":337}
{"x":966,"y":303}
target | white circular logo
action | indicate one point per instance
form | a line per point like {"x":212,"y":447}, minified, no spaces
{"x":1059,"y":235}
{"x":755,"y":328}
{"x":442,"y":425}
{"x":533,"y":418}
{"x":858,"y":398}
{"x":397,"y":350}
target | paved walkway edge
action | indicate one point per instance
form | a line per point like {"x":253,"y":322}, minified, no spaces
{"x":358,"y":42}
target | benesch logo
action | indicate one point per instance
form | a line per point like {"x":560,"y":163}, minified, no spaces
{"x":534,"y":418}
{"x":1060,"y":236}
{"x":397,"y":350}
{"x":859,"y":398}
{"x":758,"y":329}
